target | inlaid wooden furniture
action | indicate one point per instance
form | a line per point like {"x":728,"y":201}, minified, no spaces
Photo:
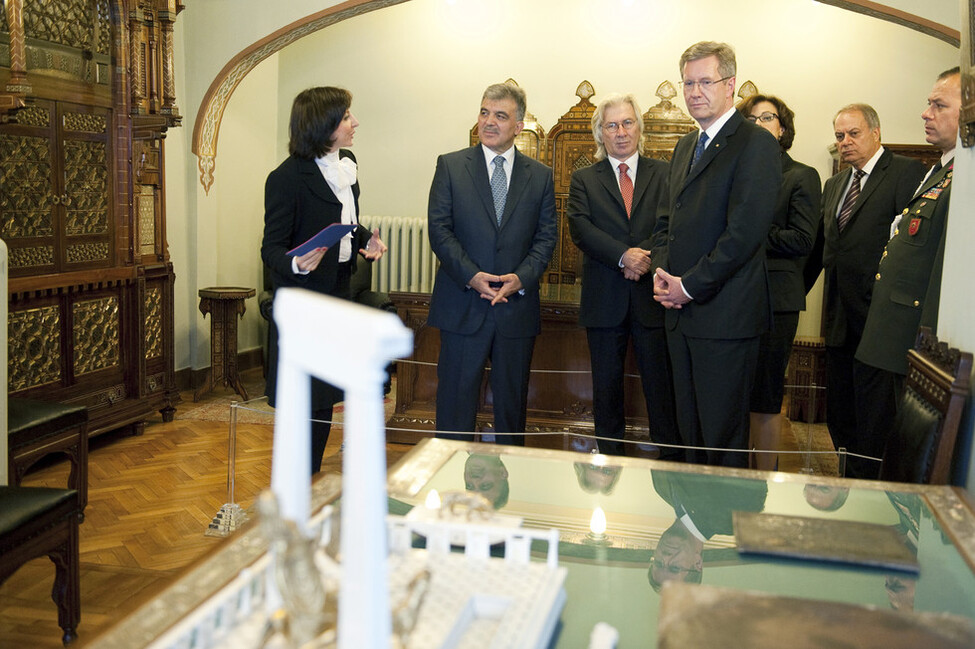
{"x":922,"y":444}
{"x":224,"y":304}
{"x":86,"y":98}
{"x":36,"y":429}
{"x":807,"y":380}
{"x":37,"y":522}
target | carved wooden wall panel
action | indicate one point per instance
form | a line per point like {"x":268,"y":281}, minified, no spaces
{"x":34,"y":347}
{"x":570,"y":147}
{"x":81,"y":208}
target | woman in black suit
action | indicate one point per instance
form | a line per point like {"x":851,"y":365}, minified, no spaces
{"x":790,"y":239}
{"x":315,"y":187}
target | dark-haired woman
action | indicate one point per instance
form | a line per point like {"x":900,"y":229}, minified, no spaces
{"x":315,"y":187}
{"x":790,"y":239}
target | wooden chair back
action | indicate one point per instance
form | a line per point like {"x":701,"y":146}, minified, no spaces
{"x":921,"y":447}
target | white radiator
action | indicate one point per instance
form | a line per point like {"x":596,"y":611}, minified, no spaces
{"x":409,"y":264}
{"x":3,"y":363}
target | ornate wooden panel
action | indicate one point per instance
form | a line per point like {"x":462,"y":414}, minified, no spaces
{"x":86,"y":95}
{"x":56,"y":189}
{"x":570,"y":147}
{"x":664,"y":124}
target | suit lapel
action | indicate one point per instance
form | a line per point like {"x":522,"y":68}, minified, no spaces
{"x":316,"y":182}
{"x":681,"y":159}
{"x":477,"y":169}
{"x":642,"y":181}
{"x":520,"y":177}
{"x":873,"y":179}
{"x":607,"y":178}
{"x":715,"y":148}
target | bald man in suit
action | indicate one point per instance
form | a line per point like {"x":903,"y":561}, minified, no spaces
{"x":856,"y":226}
{"x":494,"y":233}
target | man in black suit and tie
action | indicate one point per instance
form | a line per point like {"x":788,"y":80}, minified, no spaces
{"x":491,"y":221}
{"x":859,"y":204}
{"x":703,"y":507}
{"x":612,"y":209}
{"x":709,"y":257}
{"x":907,"y":289}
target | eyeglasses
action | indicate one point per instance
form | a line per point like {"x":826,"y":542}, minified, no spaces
{"x":764,"y":117}
{"x":705,"y":84}
{"x":612,"y":127}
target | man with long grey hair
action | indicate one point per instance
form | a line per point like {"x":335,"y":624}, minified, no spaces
{"x":611,"y":213}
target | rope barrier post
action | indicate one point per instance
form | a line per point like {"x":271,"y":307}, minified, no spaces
{"x":841,"y":454}
{"x":807,"y":466}
{"x":231,"y":516}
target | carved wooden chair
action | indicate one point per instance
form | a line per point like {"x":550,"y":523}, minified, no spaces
{"x":36,"y":429}
{"x":37,"y":522}
{"x":921,"y":446}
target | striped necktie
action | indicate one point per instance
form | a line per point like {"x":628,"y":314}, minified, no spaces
{"x":499,"y":187}
{"x":851,"y":198}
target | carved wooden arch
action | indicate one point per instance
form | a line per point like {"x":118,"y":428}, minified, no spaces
{"x":210,"y":113}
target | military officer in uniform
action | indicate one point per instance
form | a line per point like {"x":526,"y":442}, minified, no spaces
{"x":907,"y":288}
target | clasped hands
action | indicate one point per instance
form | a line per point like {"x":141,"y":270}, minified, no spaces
{"x":636,"y":263}
{"x":668,"y":290}
{"x":375,"y":248}
{"x":496,"y":288}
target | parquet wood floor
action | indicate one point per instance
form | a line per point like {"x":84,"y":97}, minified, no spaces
{"x":150,"y":500}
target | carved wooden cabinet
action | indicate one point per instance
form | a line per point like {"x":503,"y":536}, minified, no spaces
{"x":85,"y":101}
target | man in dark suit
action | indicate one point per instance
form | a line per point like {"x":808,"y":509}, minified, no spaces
{"x":492,"y":226}
{"x":858,"y":206}
{"x":907,"y":289}
{"x":709,"y":256}
{"x":703,"y":507}
{"x":612,"y":209}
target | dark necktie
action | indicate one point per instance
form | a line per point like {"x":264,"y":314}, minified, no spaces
{"x":499,"y":187}
{"x":626,"y":188}
{"x":851,"y":198}
{"x":935,"y":169}
{"x":699,"y":149}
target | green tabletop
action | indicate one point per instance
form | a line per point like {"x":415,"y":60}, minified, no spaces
{"x":650,"y":508}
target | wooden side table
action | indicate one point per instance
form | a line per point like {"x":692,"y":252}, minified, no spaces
{"x":807,"y":376}
{"x":224,"y":304}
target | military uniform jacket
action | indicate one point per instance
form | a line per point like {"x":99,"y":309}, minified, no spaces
{"x":907,"y":289}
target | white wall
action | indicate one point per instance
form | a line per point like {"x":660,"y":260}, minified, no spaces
{"x":957,"y":311}
{"x":417,"y":70}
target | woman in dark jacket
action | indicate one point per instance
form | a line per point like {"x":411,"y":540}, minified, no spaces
{"x":315,"y":187}
{"x":790,"y":239}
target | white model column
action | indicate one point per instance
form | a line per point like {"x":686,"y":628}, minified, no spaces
{"x":348,"y":346}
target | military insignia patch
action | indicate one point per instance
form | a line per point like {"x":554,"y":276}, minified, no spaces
{"x":933,"y":193}
{"x":914,"y":226}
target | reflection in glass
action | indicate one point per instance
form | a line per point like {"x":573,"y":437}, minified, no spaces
{"x":703,"y":506}
{"x":487,"y":475}
{"x":825,"y":498}
{"x":596,"y":479}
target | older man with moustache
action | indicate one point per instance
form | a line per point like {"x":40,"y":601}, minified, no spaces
{"x":858,"y":206}
{"x":907,"y":289}
{"x":709,"y":257}
{"x":612,"y":209}
{"x":491,"y":219}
